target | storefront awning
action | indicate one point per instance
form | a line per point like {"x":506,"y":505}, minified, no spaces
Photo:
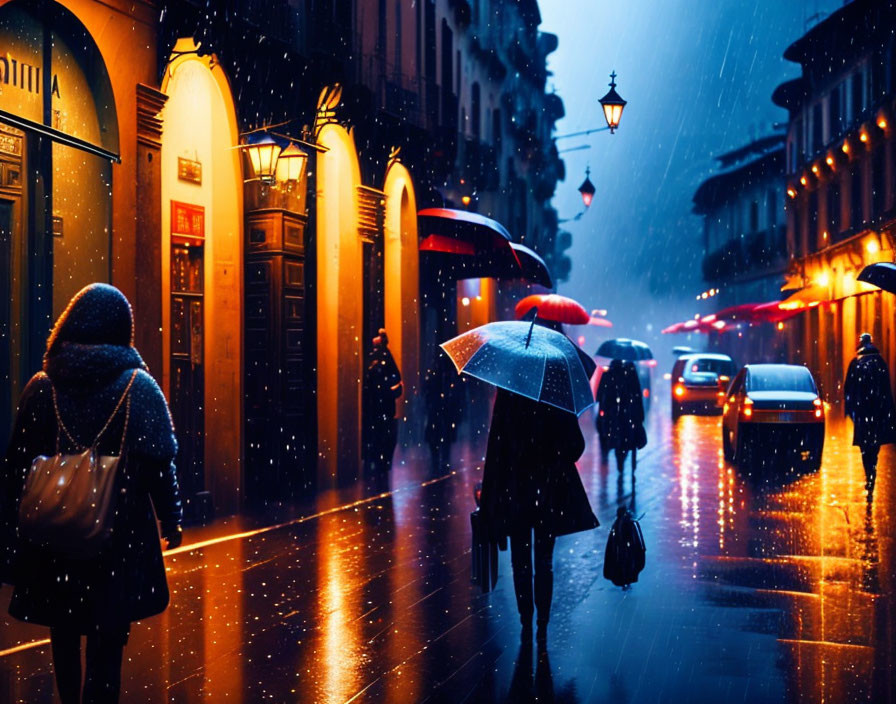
{"x":463,"y":245}
{"x":807,"y":297}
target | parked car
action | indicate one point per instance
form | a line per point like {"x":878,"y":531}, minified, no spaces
{"x":773,"y":412}
{"x":632,"y":350}
{"x":699,"y":382}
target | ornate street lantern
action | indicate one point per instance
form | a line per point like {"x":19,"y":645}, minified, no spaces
{"x":587,"y":189}
{"x":613,"y":105}
{"x":263,"y":154}
{"x":291,"y":164}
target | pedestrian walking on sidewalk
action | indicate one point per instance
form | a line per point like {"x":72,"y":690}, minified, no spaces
{"x":531,"y":493}
{"x":620,"y":414}
{"x":868,"y":400}
{"x":382,"y":387}
{"x":94,"y":388}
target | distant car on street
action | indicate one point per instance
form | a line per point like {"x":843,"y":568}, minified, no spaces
{"x":773,"y":412}
{"x":699,"y":382}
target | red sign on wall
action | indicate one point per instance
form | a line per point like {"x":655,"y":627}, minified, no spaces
{"x":187,"y":223}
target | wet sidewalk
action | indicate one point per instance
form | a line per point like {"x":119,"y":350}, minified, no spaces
{"x":764,"y":594}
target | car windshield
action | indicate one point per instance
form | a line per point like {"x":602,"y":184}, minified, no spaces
{"x":703,"y":365}
{"x":781,"y":379}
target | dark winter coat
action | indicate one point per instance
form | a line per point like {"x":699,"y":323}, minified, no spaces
{"x":90,"y":360}
{"x":620,"y":414}
{"x":381,"y":378}
{"x":868,"y":399}
{"x":530,"y":477}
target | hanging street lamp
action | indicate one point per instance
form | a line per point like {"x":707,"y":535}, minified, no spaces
{"x":587,"y":189}
{"x":291,"y":164}
{"x":613,"y":105}
{"x":263,"y":154}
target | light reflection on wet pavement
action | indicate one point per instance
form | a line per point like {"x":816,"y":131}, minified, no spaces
{"x":757,"y":593}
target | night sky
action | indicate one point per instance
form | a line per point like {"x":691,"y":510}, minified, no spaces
{"x":698,"y":77}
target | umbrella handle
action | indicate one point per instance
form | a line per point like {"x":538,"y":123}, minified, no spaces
{"x":531,"y":325}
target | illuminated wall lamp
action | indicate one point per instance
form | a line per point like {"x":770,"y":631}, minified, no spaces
{"x":263,"y":155}
{"x":291,"y":164}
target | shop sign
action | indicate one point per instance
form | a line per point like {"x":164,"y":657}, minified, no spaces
{"x":187,"y":223}
{"x":189,"y":170}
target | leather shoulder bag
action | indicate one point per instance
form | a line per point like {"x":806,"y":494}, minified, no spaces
{"x":69,"y":501}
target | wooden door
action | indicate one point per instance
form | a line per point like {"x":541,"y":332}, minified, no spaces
{"x":187,"y":364}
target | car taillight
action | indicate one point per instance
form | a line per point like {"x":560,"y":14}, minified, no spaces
{"x":747,"y":410}
{"x":679,"y":390}
{"x":819,"y":408}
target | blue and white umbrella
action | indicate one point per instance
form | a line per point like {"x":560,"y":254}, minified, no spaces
{"x":527,"y":359}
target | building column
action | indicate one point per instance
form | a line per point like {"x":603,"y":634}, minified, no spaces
{"x":148,"y":272}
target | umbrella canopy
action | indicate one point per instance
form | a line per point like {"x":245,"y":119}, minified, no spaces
{"x":623,"y":348}
{"x":527,"y":359}
{"x":552,"y":306}
{"x":882,"y":275}
{"x":532,"y":267}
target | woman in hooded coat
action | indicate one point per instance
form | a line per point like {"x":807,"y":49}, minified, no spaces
{"x":868,"y":400}
{"x":530,"y":487}
{"x":620,"y":415}
{"x":90,"y":361}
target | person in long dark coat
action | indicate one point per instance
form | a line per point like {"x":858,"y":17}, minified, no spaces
{"x":89,"y":361}
{"x":382,"y":387}
{"x":531,"y":493}
{"x":620,"y":414}
{"x":868,"y":400}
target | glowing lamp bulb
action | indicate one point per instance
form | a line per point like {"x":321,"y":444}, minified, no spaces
{"x":815,"y":169}
{"x":845,"y":147}
{"x":882,"y":123}
{"x":803,"y":180}
{"x":863,"y":137}
{"x":465,"y":200}
{"x":872,"y":247}
{"x":829,"y":161}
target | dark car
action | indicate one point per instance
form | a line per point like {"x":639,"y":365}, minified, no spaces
{"x":699,"y":382}
{"x":773,"y":412}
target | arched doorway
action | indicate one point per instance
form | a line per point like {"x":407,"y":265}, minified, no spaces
{"x":340,"y":308}
{"x":201,"y":278}
{"x":58,"y":141}
{"x":401,"y":258}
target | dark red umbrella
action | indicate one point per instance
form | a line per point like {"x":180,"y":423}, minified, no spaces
{"x":552,"y":306}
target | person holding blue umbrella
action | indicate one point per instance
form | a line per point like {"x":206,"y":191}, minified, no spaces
{"x":531,"y":490}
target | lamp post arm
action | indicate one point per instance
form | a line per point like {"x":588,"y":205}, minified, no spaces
{"x":582,"y":133}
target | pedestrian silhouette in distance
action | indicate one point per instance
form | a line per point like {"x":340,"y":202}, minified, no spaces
{"x":620,"y":412}
{"x":90,"y":366}
{"x":531,"y":494}
{"x":868,"y":401}
{"x":382,"y":388}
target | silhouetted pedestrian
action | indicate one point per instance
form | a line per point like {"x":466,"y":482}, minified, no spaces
{"x":620,"y":414}
{"x":531,"y":493}
{"x":94,"y":390}
{"x":382,"y":387}
{"x":868,"y":400}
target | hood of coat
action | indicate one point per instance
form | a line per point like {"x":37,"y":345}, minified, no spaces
{"x":92,"y":340}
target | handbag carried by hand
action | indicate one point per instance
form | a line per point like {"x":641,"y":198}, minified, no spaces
{"x":69,"y":501}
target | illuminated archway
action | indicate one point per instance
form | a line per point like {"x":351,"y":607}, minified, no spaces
{"x":201,"y":176}
{"x":340,"y":307}
{"x":401,"y":258}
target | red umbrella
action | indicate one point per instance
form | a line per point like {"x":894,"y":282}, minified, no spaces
{"x":552,"y":306}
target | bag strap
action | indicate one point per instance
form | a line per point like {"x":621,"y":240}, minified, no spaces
{"x":96,"y":440}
